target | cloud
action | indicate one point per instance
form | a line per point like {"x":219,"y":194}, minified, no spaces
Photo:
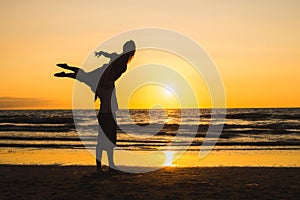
{"x":16,"y":102}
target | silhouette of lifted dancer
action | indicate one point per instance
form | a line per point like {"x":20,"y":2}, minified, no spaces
{"x":102,"y":83}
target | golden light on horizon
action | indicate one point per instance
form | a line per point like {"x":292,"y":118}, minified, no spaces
{"x":153,"y":96}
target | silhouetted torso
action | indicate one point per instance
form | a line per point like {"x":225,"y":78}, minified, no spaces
{"x":106,"y":87}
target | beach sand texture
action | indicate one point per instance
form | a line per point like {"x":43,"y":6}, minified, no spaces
{"x":79,"y":182}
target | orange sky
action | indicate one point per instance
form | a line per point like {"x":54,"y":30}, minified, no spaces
{"x":255,"y":45}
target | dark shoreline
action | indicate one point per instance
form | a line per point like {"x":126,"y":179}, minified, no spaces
{"x":77,"y":182}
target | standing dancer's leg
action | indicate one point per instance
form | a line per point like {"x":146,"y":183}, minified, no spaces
{"x":99,"y":151}
{"x":112,"y":144}
{"x":110,"y":155}
{"x":107,"y":137}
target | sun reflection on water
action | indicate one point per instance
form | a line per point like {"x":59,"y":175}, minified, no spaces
{"x":169,"y":158}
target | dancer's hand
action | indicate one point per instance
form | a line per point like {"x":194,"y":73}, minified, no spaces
{"x":98,"y":54}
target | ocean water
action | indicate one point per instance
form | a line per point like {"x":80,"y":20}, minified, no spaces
{"x":148,"y":130}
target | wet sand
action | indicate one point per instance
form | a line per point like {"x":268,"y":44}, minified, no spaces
{"x":79,"y":182}
{"x":224,"y":158}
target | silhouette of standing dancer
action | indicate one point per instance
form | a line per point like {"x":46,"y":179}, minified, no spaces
{"x":102,"y":83}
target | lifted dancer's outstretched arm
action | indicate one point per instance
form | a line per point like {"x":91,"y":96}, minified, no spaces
{"x":107,"y":55}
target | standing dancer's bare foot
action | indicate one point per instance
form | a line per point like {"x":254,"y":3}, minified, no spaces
{"x":113,"y":170}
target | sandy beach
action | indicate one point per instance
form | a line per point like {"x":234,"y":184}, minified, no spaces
{"x":69,"y":174}
{"x":80,"y":182}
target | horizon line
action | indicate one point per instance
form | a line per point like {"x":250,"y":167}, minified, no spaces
{"x":296,"y":107}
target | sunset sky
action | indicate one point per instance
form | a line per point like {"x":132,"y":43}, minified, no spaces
{"x":254,"y":44}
